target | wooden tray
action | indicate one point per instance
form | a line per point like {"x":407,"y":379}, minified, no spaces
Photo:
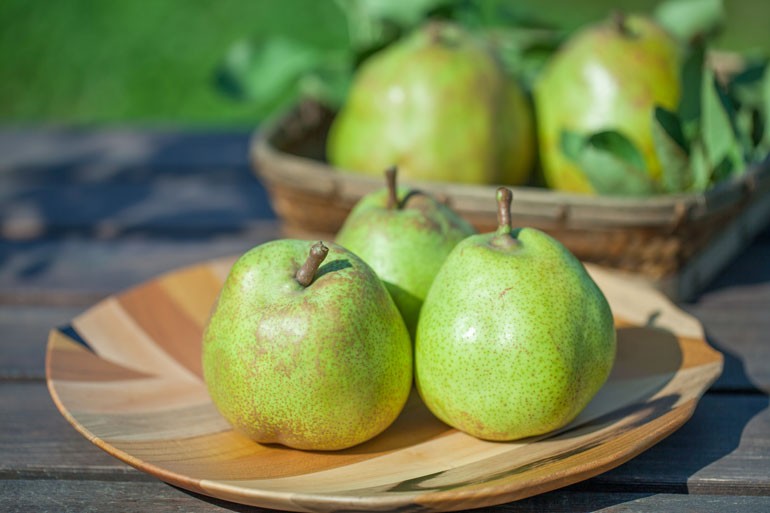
{"x":676,"y":242}
{"x":127,"y":375}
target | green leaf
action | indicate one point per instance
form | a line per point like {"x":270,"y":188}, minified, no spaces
{"x":373,"y":24}
{"x":261,"y":70}
{"x":366,"y":31}
{"x":688,"y":19}
{"x":671,"y":149}
{"x":724,"y":169}
{"x":572,"y":144}
{"x":276,"y":72}
{"x":744,"y":128}
{"x":404,"y":13}
{"x":746,"y":86}
{"x":717,"y":128}
{"x":764,"y":145}
{"x":329,"y":83}
{"x":496,"y":14}
{"x":689,"y":109}
{"x":524,"y":51}
{"x":613,"y":165}
{"x":746,"y":89}
{"x":670,"y":123}
{"x":699,"y":166}
{"x":618,"y":145}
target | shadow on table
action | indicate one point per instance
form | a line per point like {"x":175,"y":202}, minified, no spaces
{"x":678,"y":464}
{"x":672,"y":466}
{"x":748,"y":268}
{"x":108,"y":184}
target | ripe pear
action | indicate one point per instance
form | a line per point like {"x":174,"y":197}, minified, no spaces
{"x":439,"y":105}
{"x":609,"y":75}
{"x":514,"y":337}
{"x":404,"y":235}
{"x":306,"y":355}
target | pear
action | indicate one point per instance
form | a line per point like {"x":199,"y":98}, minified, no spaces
{"x":306,"y":355}
{"x":514,"y":337}
{"x":404,"y":235}
{"x":440,"y":106}
{"x":608,"y":76}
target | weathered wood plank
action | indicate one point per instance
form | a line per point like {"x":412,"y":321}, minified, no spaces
{"x":724,"y":446}
{"x":724,"y":449}
{"x":740,"y":332}
{"x":24,"y":334}
{"x":181,"y":206}
{"x":36,"y":441}
{"x":76,"y":270}
{"x":734,"y":311}
{"x":106,"y":183}
{"x":44,"y":496}
{"x":67,"y":155}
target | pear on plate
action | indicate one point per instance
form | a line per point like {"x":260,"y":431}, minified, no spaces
{"x":306,"y":348}
{"x":514,"y":337}
{"x":404,"y":235}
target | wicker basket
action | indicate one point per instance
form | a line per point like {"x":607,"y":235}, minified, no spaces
{"x":677,"y":242}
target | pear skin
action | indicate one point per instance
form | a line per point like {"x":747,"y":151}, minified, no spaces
{"x":404,"y":235}
{"x":514,"y":337}
{"x":306,"y":348}
{"x":440,"y":106}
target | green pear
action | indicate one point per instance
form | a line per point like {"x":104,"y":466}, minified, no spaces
{"x":439,"y":105}
{"x":608,"y":76}
{"x":514,"y":337}
{"x":306,"y":355}
{"x":404,"y":235}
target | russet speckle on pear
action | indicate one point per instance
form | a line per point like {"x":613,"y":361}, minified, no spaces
{"x":324,"y":366}
{"x":404,"y":235}
{"x":514,"y":337}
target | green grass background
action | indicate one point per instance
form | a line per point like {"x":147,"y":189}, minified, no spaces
{"x":154,"y":61}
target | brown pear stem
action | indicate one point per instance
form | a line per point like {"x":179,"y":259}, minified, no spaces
{"x":390,"y":179}
{"x":619,"y":21}
{"x":435,"y":29}
{"x":306,"y":273}
{"x":504,"y":199}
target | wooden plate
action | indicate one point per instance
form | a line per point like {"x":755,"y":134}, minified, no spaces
{"x":127,"y":375}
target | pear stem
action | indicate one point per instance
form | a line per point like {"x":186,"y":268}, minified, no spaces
{"x":306,"y":273}
{"x":434,"y":31}
{"x":390,"y":179}
{"x":619,"y":20}
{"x":504,"y":199}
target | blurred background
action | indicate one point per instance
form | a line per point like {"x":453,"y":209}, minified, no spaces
{"x":159,"y":62}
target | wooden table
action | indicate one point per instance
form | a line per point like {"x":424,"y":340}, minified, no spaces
{"x":85,"y":214}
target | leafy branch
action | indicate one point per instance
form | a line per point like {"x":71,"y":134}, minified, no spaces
{"x":719,"y":127}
